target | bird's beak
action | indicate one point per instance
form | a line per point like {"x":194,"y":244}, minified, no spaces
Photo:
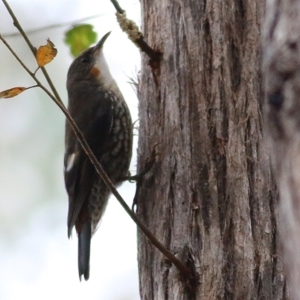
{"x":100,"y":44}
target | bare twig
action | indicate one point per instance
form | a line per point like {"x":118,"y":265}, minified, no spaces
{"x":136,"y":36}
{"x":117,"y":6}
{"x":53,"y":26}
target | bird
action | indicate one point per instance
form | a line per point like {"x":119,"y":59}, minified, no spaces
{"x":101,"y":113}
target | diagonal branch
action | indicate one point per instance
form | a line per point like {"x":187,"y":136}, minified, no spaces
{"x":117,"y":6}
{"x":185,"y":271}
{"x":136,"y":36}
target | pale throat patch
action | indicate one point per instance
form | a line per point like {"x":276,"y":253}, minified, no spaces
{"x":104,"y":75}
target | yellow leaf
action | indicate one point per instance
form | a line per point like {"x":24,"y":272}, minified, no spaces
{"x":46,"y":53}
{"x":12,"y":92}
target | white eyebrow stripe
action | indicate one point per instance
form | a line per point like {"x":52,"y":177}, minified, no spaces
{"x":70,"y":162}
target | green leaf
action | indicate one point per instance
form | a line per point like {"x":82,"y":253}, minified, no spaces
{"x":80,"y":37}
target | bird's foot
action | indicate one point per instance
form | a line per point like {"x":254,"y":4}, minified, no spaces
{"x":140,"y":176}
{"x":148,"y":165}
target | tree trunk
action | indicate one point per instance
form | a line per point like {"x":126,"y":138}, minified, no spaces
{"x":282,"y":77}
{"x":210,"y":197}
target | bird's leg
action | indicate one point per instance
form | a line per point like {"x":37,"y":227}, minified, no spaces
{"x":148,"y":165}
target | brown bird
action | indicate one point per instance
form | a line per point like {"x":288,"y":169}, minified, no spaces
{"x":100,"y":111}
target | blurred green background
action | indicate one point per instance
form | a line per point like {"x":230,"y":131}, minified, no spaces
{"x":37,"y":260}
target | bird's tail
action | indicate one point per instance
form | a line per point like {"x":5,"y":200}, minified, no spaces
{"x":84,"y":243}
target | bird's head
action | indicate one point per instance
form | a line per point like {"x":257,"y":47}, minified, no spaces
{"x":90,"y":64}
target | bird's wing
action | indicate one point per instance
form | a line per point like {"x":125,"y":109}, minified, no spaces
{"x":79,"y":182}
{"x":79,"y":171}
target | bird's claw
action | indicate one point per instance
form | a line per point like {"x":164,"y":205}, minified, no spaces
{"x":139,"y":177}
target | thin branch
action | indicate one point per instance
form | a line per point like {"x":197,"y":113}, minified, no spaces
{"x":117,"y":6}
{"x":136,"y":36}
{"x":181,"y":267}
{"x":17,"y":57}
{"x":52,"y":26}
{"x":32,"y":48}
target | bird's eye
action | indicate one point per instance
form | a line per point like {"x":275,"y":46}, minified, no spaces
{"x":85,"y":60}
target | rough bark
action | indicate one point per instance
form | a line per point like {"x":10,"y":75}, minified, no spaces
{"x":210,"y":197}
{"x":282,"y":78}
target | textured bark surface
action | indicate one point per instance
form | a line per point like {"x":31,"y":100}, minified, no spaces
{"x":210,"y":197}
{"x":282,"y":78}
